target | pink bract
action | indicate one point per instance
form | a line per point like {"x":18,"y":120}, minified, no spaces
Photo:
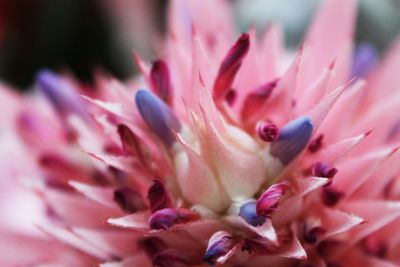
{"x":227,"y":151}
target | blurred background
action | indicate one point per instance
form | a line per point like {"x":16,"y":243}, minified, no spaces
{"x":87,"y":35}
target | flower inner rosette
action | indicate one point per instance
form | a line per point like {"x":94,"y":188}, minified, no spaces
{"x":224,"y":152}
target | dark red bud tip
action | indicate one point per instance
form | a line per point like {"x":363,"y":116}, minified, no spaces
{"x":158,"y":197}
{"x":316,"y":144}
{"x":312,"y":234}
{"x":331,"y":196}
{"x":231,"y":97}
{"x":129,"y":200}
{"x":268,"y":202}
{"x":230,"y":66}
{"x":255,"y":101}
{"x":322,"y":169}
{"x":160,"y":79}
{"x":130,"y":142}
{"x":267,"y":132}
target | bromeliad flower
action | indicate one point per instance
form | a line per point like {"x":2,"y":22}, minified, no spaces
{"x":228,"y":156}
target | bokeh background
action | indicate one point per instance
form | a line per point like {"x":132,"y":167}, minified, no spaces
{"x":83,"y":36}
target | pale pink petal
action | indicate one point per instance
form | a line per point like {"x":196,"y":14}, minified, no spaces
{"x":360,"y":169}
{"x":337,"y":222}
{"x":196,"y":180}
{"x":137,"y":221}
{"x":99,"y":194}
{"x":137,"y":260}
{"x":377,"y":214}
{"x":320,"y":52}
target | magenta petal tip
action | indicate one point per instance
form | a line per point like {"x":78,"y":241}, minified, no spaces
{"x":268,"y":202}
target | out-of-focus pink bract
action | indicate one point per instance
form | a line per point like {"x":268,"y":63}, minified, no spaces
{"x":223,"y":152}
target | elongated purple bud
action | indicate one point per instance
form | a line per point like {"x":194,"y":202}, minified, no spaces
{"x":158,"y":197}
{"x":230,"y":66}
{"x":293,"y":138}
{"x":160,"y":80}
{"x":61,"y":94}
{"x":248,"y":212}
{"x":365,"y":58}
{"x":166,"y":218}
{"x":268,"y":202}
{"x":158,"y":116}
{"x":219,"y":246}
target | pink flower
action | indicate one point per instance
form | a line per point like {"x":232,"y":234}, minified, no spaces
{"x":229,"y":157}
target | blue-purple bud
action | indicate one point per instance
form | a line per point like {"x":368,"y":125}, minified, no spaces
{"x":248,"y":212}
{"x":219,"y":246}
{"x":61,"y":94}
{"x":293,"y":138}
{"x":166,"y":218}
{"x":158,"y":116}
{"x":365,"y":58}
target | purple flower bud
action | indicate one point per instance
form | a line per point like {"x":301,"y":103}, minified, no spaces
{"x":61,"y":94}
{"x":219,"y":246}
{"x":365,"y":58}
{"x":166,"y":218}
{"x":293,"y":138}
{"x":249,"y":214}
{"x":268,"y":202}
{"x":322,"y":169}
{"x":158,"y":116}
